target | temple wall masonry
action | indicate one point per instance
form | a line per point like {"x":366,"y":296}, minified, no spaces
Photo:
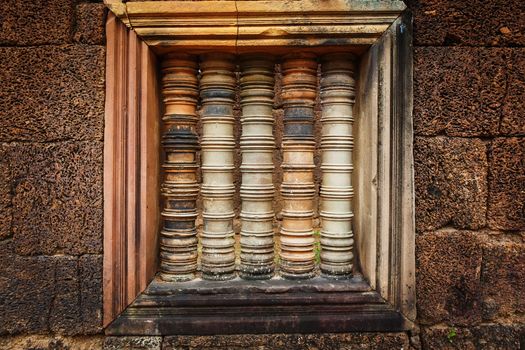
{"x":469,"y":150}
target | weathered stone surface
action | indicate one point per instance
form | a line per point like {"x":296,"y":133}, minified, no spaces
{"x":57,"y":201}
{"x":64,"y":310}
{"x":289,"y":341}
{"x":513,"y":119}
{"x":35,"y":22}
{"x":47,"y":293}
{"x":90,"y":276}
{"x":503,"y":278}
{"x":24,"y":303}
{"x":52,"y":93}
{"x":448,"y":268}
{"x":506,"y":208}
{"x":6,"y":210}
{"x":51,"y":342}
{"x":450,"y":183}
{"x":77,"y":306}
{"x":470,"y":23}
{"x":135,"y":343}
{"x":485,"y":337}
{"x":90,"y":24}
{"x":459,"y":91}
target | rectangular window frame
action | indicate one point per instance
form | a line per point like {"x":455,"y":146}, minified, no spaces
{"x":384,"y":212}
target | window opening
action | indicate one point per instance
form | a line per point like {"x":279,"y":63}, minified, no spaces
{"x":301,"y":253}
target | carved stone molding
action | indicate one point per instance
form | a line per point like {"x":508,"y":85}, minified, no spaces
{"x":178,"y":237}
{"x":383,"y":297}
{"x":298,"y":189}
{"x":217,"y":89}
{"x":337,"y":101}
{"x":245,"y":24}
{"x":131,"y":168}
{"x":257,"y":146}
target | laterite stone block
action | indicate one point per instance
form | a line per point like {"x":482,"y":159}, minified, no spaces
{"x":506,"y":208}
{"x":459,"y":91}
{"x":52,"y":93}
{"x":448,"y":267}
{"x":469,"y":23}
{"x":450,"y":183}
{"x":57,"y":200}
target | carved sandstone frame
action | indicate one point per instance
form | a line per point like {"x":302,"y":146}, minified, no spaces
{"x":380,"y":33}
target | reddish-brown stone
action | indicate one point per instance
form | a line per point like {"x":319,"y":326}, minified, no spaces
{"x":135,"y":343}
{"x":77,"y":303}
{"x":448,"y":277}
{"x":503,"y":278}
{"x":484,"y":337}
{"x":90,"y":277}
{"x":6,"y":212}
{"x":52,"y":93}
{"x":506,"y":209}
{"x":51,"y":342}
{"x":470,"y":23}
{"x":35,"y":22}
{"x":289,"y":341}
{"x":513,"y":119}
{"x":450,"y":183}
{"x":57,"y":200}
{"x":90,"y":24}
{"x":459,"y":91}
{"x":44,"y":293}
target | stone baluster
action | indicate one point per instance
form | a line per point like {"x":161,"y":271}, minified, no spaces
{"x":217,"y":86}
{"x":257,"y":146}
{"x":298,"y":190}
{"x":178,"y":237}
{"x":337,"y":99}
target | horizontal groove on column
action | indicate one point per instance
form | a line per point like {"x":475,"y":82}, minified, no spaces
{"x":337,"y":95}
{"x":217,"y":91}
{"x":178,"y":237}
{"x":257,"y":146}
{"x":298,"y":145}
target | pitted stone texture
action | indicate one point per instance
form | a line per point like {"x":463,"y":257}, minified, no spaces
{"x":135,"y":343}
{"x":42,"y":294}
{"x":469,"y":23}
{"x":27,"y":286}
{"x":52,"y":93}
{"x":484,"y":337}
{"x":90,"y":276}
{"x":288,"y":341}
{"x":448,"y":266}
{"x":513,"y":120}
{"x":77,"y":306}
{"x":450,"y":183}
{"x":506,"y":209}
{"x":51,"y":342}
{"x":6,"y":210}
{"x":35,"y":22}
{"x":57,"y":201}
{"x":459,"y":91}
{"x":90,"y":24}
{"x":503,"y":278}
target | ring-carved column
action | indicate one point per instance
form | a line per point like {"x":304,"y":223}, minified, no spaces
{"x":217,"y":93}
{"x":298,"y":190}
{"x":257,"y":146}
{"x":178,"y":237}
{"x":337,"y":99}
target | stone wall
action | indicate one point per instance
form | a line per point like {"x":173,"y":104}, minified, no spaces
{"x":469,"y":116}
{"x":52,"y":82}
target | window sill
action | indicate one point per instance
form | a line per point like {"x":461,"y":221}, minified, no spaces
{"x":274,"y":306}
